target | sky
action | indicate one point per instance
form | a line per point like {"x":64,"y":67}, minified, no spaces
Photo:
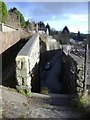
{"x":74,"y":15}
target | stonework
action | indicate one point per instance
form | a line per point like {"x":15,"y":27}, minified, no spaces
{"x":74,"y":74}
{"x":51,"y":44}
{"x":26,"y":60}
{"x":88,"y":69}
{"x":80,"y":78}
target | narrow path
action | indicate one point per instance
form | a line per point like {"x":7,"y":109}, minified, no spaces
{"x":53,"y":82}
{"x":51,"y":78}
{"x":15,"y":105}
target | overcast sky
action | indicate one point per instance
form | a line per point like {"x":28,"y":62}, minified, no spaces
{"x":74,"y":15}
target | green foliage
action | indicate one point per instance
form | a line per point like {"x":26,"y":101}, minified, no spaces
{"x":24,"y":92}
{"x":73,"y":35}
{"x":22,"y":20}
{"x":27,"y":24}
{"x":41,"y":25}
{"x":65,"y":35}
{"x":56,"y":35}
{"x":65,"y":30}
{"x":3,"y":12}
{"x":78,"y":36}
{"x":80,"y":103}
{"x":48,"y":27}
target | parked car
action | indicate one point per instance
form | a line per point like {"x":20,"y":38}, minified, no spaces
{"x":47,"y":66}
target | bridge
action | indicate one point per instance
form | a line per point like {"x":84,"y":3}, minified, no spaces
{"x":28,"y":59}
{"x":29,"y":55}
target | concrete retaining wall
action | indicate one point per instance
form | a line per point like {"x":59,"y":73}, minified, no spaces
{"x":6,"y":28}
{"x":26,"y":60}
{"x":7,"y":39}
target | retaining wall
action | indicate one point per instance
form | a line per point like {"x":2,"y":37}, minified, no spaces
{"x":74,"y":74}
{"x":7,"y":39}
{"x":7,"y":28}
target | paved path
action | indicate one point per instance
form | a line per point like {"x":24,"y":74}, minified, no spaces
{"x":51,"y":78}
{"x":15,"y":105}
{"x":53,"y":81}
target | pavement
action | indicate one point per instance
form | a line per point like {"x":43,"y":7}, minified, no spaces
{"x":51,"y":78}
{"x":15,"y":105}
{"x":52,"y":81}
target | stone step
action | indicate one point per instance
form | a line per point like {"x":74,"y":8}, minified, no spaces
{"x":54,"y":99}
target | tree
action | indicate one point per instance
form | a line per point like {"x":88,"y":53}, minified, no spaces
{"x":65,"y":35}
{"x":22,"y":20}
{"x":3,"y":12}
{"x":65,"y":30}
{"x":18,"y":15}
{"x":48,"y":27}
{"x":27,"y":24}
{"x":80,"y":37}
{"x":56,"y":34}
{"x":41,"y":25}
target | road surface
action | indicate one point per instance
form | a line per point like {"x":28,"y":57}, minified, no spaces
{"x":50,"y":78}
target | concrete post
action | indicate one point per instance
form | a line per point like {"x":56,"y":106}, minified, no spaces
{"x":2,"y":27}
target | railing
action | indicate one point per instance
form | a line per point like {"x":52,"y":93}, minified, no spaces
{"x":7,"y":28}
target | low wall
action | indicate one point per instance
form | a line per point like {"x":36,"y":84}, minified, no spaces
{"x":51,"y":44}
{"x":7,"y":39}
{"x":6,"y":28}
{"x":74,"y":74}
{"x":25,"y":34}
{"x":88,"y":69}
{"x":26,"y":60}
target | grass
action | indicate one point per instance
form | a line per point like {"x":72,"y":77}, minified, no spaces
{"x":82,"y":104}
{"x":25,"y":92}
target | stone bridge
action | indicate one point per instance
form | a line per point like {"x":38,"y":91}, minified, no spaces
{"x":28,"y":58}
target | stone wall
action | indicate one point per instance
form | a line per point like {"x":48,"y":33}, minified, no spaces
{"x":26,"y":60}
{"x":88,"y":69}
{"x":7,"y":39}
{"x":74,"y":74}
{"x":68,"y":74}
{"x":51,"y":44}
{"x":25,"y":34}
{"x":80,"y":79}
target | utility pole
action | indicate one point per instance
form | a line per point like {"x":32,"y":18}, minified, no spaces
{"x":87,"y":68}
